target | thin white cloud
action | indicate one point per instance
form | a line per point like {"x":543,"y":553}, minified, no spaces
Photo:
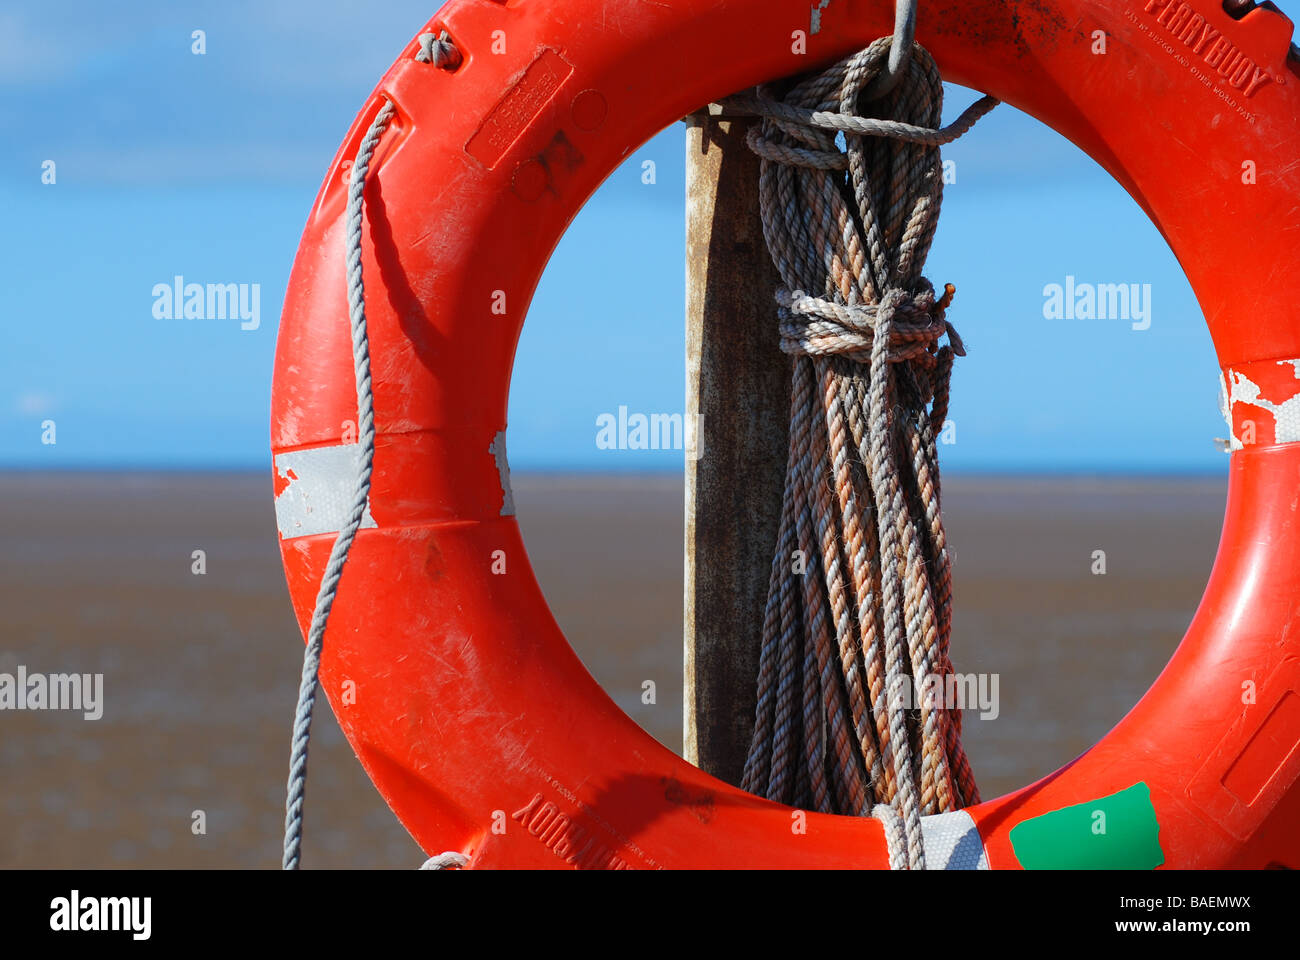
{"x":34,"y":403}
{"x":166,"y":163}
{"x":29,"y":53}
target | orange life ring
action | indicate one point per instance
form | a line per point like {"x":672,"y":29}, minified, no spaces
{"x":471,"y":711}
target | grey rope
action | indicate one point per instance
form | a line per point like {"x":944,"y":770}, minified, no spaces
{"x":439,"y":50}
{"x":361,"y":493}
{"x":761,"y":104}
{"x":848,"y":230}
{"x":895,"y":841}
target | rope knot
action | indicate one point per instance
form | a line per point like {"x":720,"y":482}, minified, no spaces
{"x":817,"y":327}
{"x":849,"y":191}
{"x":439,"y":50}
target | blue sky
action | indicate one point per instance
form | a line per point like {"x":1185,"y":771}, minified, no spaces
{"x":205,"y":166}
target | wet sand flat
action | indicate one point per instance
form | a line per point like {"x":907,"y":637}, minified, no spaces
{"x":201,"y":672}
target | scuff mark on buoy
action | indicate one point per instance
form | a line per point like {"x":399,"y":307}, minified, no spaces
{"x":815,"y":20}
{"x":498,"y":449}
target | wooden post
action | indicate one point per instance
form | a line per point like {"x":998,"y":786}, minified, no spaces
{"x":738,"y":382}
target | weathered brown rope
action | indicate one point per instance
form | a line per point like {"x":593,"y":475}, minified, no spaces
{"x":849,"y":206}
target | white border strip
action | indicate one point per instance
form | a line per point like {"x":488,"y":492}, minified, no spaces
{"x":952,"y":842}
{"x":322,"y":483}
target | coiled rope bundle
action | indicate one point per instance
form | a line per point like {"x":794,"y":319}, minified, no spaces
{"x":858,"y":617}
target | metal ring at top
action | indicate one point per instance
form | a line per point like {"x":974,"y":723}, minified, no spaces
{"x":899,"y":51}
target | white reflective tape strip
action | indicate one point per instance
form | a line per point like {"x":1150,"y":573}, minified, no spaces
{"x":952,"y":842}
{"x":1239,"y":388}
{"x":321,"y":485}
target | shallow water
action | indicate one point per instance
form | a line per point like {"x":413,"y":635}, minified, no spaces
{"x":201,"y":672}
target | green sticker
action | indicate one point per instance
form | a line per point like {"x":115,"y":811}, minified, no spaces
{"x":1119,"y":832}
